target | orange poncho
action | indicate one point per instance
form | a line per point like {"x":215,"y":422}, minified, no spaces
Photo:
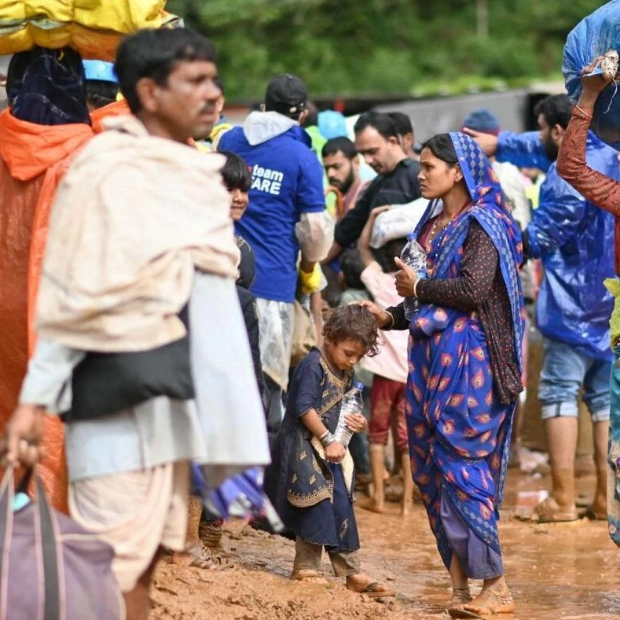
{"x":33,"y":159}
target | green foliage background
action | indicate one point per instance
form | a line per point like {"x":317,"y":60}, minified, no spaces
{"x":410,"y":47}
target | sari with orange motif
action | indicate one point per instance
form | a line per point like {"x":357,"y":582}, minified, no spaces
{"x":459,"y":428}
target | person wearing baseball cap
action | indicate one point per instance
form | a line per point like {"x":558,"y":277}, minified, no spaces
{"x":286,"y":94}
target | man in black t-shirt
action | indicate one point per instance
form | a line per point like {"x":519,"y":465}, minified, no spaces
{"x":376,"y":139}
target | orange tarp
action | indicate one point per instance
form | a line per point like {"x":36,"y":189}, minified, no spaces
{"x":33,"y":159}
{"x":118,"y":108}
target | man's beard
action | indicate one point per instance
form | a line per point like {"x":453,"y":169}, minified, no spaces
{"x":551,"y":149}
{"x":345,"y":185}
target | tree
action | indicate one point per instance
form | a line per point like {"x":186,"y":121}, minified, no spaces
{"x":382,"y":46}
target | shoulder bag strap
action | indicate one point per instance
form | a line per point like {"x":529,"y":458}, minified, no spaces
{"x":7,"y":492}
{"x":49,"y":550}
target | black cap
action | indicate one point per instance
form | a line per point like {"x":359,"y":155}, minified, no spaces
{"x":286,"y":94}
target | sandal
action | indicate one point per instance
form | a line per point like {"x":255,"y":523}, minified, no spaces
{"x":374,"y":590}
{"x":461,"y":612}
{"x":460,"y":597}
{"x":310,"y":576}
{"x":589,"y":513}
{"x":489,"y":603}
{"x":549,"y":511}
{"x":197,"y":555}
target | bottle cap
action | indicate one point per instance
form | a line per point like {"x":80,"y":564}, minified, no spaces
{"x":410,"y":236}
{"x":359,"y":385}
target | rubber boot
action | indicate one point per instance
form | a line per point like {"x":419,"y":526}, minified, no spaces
{"x":406,"y":503}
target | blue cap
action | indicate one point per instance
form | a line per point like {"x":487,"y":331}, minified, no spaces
{"x":359,"y":385}
{"x":99,"y":70}
{"x":482,"y":120}
{"x":332,"y":124}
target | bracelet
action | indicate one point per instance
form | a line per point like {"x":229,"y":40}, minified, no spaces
{"x":326,"y":439}
{"x":415,"y":288}
{"x":584,"y":112}
{"x":388,"y":327}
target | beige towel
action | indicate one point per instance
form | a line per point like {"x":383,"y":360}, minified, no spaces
{"x":133,"y":218}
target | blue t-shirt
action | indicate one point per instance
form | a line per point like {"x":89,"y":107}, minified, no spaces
{"x":287,"y":180}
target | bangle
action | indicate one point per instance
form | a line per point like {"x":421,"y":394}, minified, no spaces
{"x":326,"y":439}
{"x":415,"y":288}
{"x":388,"y":327}
{"x":589,"y":116}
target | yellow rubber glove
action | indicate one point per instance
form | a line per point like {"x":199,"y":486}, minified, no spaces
{"x":613,"y":286}
{"x":310,"y":282}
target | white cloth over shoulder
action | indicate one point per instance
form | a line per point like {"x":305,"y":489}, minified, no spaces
{"x":397,"y":223}
{"x":133,"y":218}
{"x":223,"y":428}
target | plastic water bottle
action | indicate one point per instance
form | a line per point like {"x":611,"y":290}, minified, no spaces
{"x":413,"y":254}
{"x":351,"y":403}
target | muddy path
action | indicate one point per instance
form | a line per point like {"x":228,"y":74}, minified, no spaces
{"x":560,"y":571}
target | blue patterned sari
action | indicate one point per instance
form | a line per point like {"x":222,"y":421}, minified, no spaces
{"x":459,"y":431}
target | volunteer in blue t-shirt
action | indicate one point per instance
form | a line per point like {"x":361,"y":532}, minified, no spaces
{"x":286,"y":215}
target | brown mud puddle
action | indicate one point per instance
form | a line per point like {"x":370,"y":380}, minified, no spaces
{"x":560,"y":571}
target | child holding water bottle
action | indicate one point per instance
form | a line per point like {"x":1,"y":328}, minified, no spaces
{"x":312,"y":474}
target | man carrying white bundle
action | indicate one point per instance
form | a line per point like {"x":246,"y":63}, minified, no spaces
{"x":142,"y":344}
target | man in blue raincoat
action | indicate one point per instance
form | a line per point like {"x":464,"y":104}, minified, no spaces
{"x":574,"y":239}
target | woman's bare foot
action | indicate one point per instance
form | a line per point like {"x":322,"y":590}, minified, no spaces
{"x":363,"y":584}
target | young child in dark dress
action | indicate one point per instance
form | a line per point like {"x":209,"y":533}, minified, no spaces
{"x":314,"y":473}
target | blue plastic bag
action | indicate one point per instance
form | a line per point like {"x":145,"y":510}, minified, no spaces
{"x":593,"y":36}
{"x":241,"y":495}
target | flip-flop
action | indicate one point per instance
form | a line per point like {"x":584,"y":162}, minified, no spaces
{"x":492,"y":602}
{"x":373,"y":590}
{"x":457,"y":612}
{"x":589,"y":513}
{"x":196,"y":556}
{"x":311,"y":576}
{"x":548,"y":511}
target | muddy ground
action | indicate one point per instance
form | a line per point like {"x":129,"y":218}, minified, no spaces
{"x":560,"y":571}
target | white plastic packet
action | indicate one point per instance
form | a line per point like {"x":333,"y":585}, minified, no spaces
{"x":397,"y":223}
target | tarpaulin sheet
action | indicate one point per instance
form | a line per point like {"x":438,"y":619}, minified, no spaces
{"x":593,"y":36}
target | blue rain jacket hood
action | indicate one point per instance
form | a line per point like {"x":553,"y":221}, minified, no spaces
{"x":575,"y":240}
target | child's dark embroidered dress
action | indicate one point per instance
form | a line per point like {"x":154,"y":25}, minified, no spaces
{"x":313,"y":496}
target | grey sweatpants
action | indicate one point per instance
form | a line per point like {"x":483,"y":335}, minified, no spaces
{"x":308,"y":557}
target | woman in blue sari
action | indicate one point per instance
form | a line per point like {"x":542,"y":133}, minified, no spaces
{"x":464,"y":363}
